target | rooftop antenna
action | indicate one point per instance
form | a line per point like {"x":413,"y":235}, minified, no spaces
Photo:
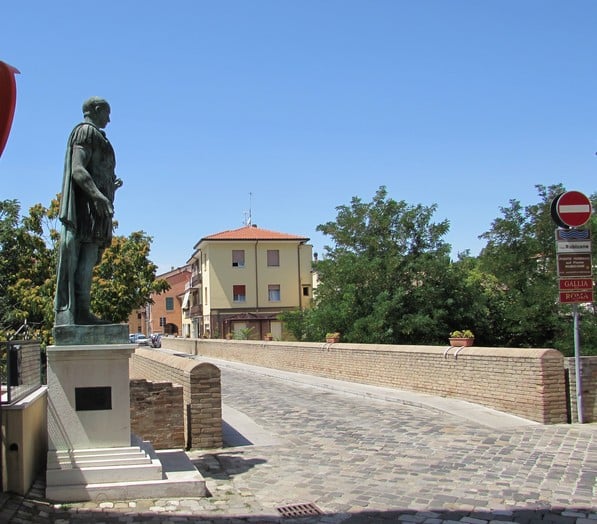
{"x":248,"y":216}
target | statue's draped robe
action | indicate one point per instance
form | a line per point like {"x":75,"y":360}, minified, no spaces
{"x":80,"y":221}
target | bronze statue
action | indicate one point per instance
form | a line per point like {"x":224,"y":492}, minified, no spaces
{"x":86,"y":211}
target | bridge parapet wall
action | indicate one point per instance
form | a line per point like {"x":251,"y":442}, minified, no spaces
{"x":202,"y":393}
{"x":588,"y":373}
{"x":529,"y":383}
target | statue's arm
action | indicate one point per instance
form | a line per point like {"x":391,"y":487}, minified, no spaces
{"x":80,"y":158}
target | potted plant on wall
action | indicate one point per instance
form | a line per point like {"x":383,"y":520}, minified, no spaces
{"x":462,"y":338}
{"x":332,"y":338}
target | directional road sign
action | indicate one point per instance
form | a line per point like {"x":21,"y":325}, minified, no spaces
{"x":576,"y":297}
{"x":574,"y":265}
{"x":576,"y":284}
{"x":565,"y":246}
{"x":573,"y":235}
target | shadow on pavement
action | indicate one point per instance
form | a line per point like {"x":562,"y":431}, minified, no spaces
{"x":224,"y":465}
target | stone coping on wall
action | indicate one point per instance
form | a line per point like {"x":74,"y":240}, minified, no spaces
{"x":184,"y":344}
{"x":183,"y":364}
{"x":525,"y":382}
{"x":202,"y":398}
{"x":27,"y":401}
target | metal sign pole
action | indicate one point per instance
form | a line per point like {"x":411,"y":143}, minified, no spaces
{"x":570,"y":211}
{"x":577,"y":364}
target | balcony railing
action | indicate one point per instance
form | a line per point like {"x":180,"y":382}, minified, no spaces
{"x":196,"y":311}
{"x":20,"y":369}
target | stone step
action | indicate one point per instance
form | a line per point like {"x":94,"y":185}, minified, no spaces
{"x":90,"y":458}
{"x":103,"y":474}
{"x":128,"y":450}
{"x":115,"y":491}
{"x":99,"y":461}
{"x":179,"y":478}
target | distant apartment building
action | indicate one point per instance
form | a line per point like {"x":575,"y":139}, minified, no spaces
{"x":165,"y":314}
{"x":242,"y":279}
{"x":138,"y":321}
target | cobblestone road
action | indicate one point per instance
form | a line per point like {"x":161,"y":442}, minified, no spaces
{"x":360,"y":460}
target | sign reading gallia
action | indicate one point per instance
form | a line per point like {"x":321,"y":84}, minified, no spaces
{"x":578,"y":284}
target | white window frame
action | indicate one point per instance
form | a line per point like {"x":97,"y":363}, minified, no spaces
{"x":272,"y":290}
{"x":238,"y":258}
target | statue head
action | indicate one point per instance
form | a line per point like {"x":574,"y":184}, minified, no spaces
{"x":97,"y":110}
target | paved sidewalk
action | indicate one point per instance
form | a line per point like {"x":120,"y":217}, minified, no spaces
{"x":359,"y":455}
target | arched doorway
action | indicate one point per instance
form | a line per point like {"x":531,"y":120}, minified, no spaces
{"x":171,"y":329}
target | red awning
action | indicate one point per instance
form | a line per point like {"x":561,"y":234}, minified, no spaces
{"x":8,"y":100}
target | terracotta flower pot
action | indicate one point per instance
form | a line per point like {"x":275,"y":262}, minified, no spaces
{"x":459,"y":342}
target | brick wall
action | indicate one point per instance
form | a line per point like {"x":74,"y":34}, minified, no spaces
{"x":157,"y":413}
{"x":529,"y":383}
{"x":202,"y":394}
{"x":178,"y":279}
{"x":588,"y":379}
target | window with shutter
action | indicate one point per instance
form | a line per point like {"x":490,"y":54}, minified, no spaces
{"x":273,"y":257}
{"x":238,"y":293}
{"x":238,"y":258}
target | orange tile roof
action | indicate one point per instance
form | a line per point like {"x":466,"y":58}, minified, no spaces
{"x":252,"y":233}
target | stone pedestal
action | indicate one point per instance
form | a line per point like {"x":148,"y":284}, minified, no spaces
{"x":91,"y":453}
{"x":88,"y":396}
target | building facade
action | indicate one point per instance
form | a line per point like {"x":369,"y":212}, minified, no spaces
{"x":165,"y":314}
{"x":242,"y":279}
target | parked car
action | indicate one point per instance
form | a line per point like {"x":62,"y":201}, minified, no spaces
{"x":139,"y":338}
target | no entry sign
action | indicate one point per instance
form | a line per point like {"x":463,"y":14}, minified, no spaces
{"x":8,"y":96}
{"x":571,"y":209}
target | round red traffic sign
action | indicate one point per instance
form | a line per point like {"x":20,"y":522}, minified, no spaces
{"x":573,"y":208}
{"x":8,"y":92}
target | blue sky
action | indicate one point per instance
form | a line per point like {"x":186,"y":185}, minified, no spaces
{"x":305,"y":104}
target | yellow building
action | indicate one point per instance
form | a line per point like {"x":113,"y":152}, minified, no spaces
{"x":242,"y":279}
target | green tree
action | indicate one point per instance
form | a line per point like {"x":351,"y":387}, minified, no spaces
{"x":122,"y":282}
{"x":488,"y":303}
{"x":388,"y":278}
{"x":125,"y":278}
{"x":520,"y":254}
{"x":27,"y":270}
